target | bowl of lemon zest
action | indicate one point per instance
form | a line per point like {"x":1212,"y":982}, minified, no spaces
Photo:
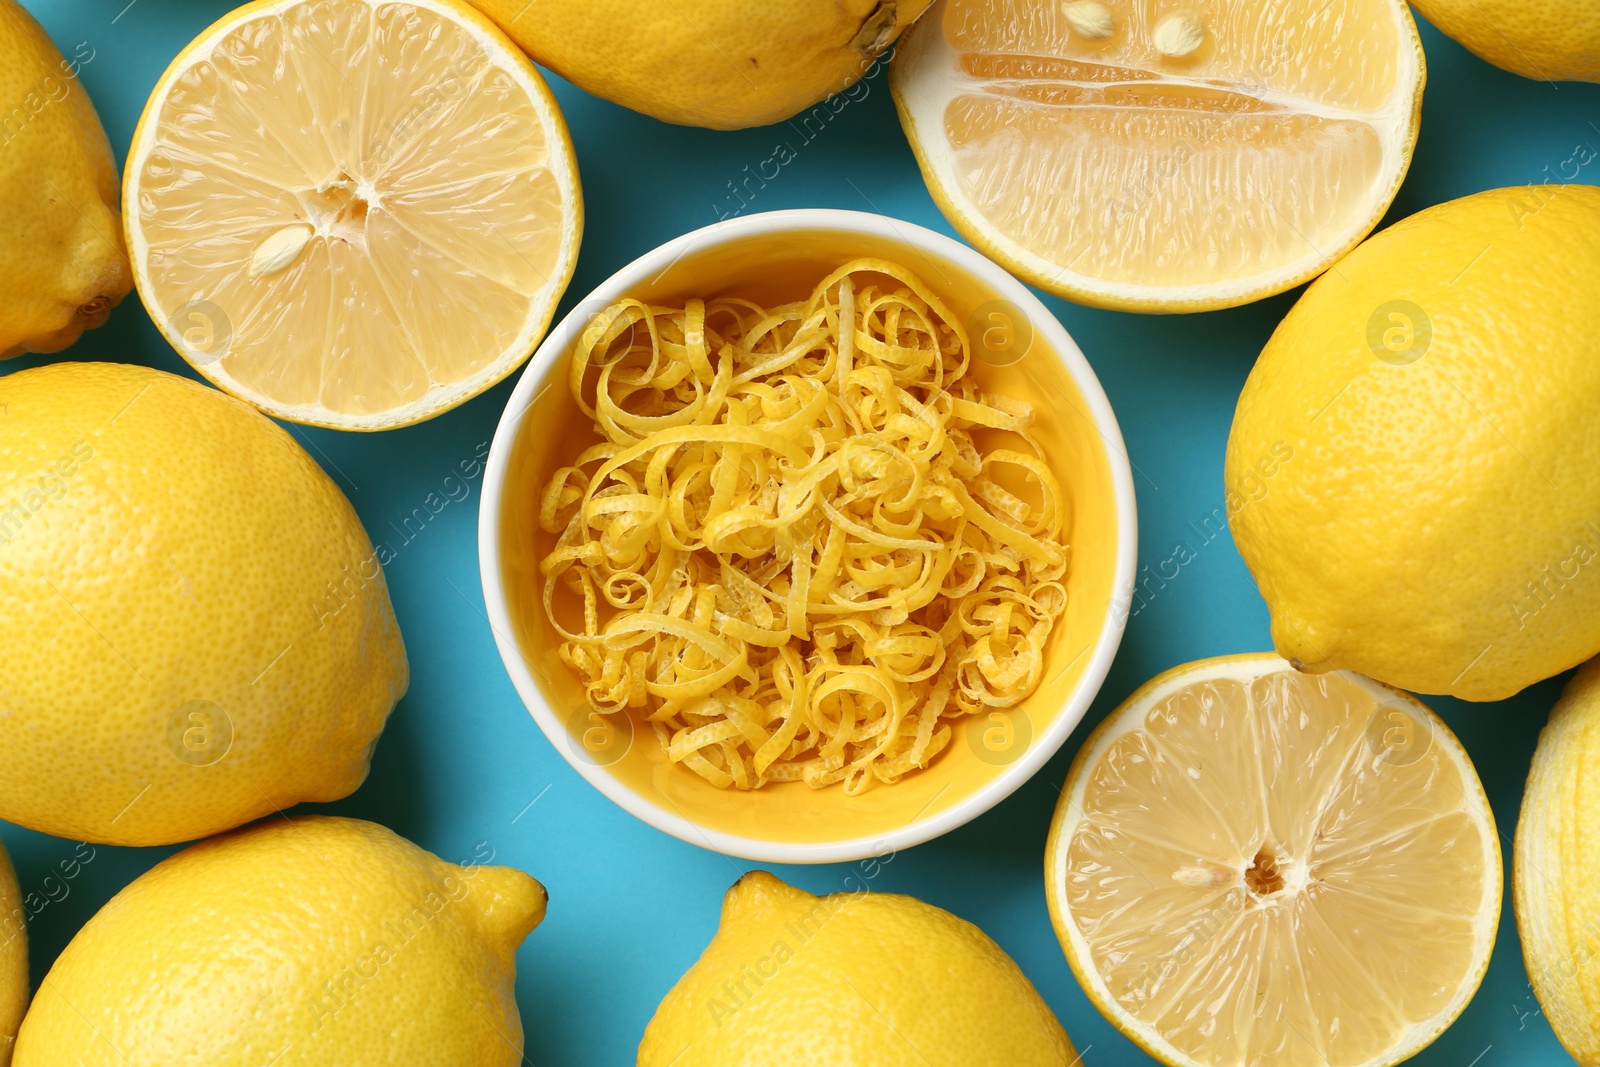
{"x":781,"y":560}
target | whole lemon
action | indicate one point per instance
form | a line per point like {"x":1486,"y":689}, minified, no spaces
{"x":1551,"y":40}
{"x":198,"y":632}
{"x":854,"y":979}
{"x":1555,"y":885}
{"x":1413,"y":467}
{"x":725,"y":64}
{"x":62,"y":262}
{"x":313,"y":941}
{"x":13,"y":958}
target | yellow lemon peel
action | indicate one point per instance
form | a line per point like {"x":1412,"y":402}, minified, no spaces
{"x":789,"y":550}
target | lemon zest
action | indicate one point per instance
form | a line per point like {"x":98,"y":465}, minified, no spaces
{"x":789,"y":553}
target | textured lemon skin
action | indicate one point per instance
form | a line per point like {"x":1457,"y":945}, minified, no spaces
{"x":854,"y":979}
{"x":1432,"y":527}
{"x":723,"y":64}
{"x":62,"y":263}
{"x":166,"y":550}
{"x":1555,"y":891}
{"x":13,"y":958}
{"x":1551,"y":40}
{"x":298,"y":943}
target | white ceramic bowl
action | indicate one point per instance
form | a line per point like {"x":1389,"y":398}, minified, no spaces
{"x":776,"y":256}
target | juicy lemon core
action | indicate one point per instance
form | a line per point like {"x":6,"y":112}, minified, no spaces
{"x":1250,"y":865}
{"x":353,"y":213}
{"x":1131,"y":156}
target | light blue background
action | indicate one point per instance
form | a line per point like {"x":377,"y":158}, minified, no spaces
{"x":631,"y":908}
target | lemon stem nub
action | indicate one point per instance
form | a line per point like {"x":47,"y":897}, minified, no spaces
{"x":877,"y":29}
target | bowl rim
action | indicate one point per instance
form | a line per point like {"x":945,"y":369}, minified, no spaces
{"x":650,"y":266}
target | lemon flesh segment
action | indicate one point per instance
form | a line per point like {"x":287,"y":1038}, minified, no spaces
{"x":1251,"y":865}
{"x":1105,"y":169}
{"x":353,"y":213}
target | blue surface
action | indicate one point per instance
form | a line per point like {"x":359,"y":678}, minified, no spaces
{"x":462,"y":769}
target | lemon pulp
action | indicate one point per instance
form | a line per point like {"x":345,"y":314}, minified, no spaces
{"x":1251,"y":865}
{"x":351,"y":212}
{"x":1107,"y":170}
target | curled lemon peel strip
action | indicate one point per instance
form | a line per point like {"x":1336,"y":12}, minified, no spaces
{"x":787,"y":552}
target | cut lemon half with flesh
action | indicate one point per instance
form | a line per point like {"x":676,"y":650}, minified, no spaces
{"x":1250,"y":865}
{"x":1154,"y":156}
{"x":352,"y":213}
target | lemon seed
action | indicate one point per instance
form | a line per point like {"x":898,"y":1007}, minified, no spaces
{"x":279,"y":250}
{"x":1204,"y":875}
{"x":1180,"y":34}
{"x":1088,"y":19}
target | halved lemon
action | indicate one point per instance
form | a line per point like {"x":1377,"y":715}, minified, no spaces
{"x":352,"y":213}
{"x":1250,"y":865}
{"x":1162,"y":155}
